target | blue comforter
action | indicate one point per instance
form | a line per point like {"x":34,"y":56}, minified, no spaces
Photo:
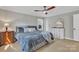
{"x":30,"y":41}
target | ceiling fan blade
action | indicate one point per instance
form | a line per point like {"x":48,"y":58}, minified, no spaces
{"x":50,"y":8}
{"x":38,"y":10}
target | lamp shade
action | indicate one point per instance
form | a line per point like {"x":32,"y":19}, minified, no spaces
{"x":59,"y":23}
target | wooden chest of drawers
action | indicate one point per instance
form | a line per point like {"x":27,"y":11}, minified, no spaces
{"x":7,"y":37}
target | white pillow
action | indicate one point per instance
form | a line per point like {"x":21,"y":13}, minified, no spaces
{"x":29,"y":29}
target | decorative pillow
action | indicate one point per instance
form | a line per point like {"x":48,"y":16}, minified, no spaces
{"x":47,"y":36}
{"x":20,"y":29}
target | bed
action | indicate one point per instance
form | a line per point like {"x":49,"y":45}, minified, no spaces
{"x":32,"y":40}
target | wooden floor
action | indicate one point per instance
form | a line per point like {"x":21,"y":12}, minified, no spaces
{"x":56,"y":46}
{"x":61,"y":46}
{"x":13,"y":48}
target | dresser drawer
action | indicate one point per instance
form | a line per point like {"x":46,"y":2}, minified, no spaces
{"x":7,"y":37}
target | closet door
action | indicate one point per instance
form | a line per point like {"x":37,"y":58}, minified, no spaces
{"x":76,"y":27}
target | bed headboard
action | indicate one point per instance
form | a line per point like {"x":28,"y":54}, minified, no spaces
{"x":32,"y":27}
{"x":25,"y":28}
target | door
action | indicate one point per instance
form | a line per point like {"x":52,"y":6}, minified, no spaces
{"x":76,"y":27}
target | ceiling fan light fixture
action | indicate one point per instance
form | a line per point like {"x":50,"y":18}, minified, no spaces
{"x":44,"y":12}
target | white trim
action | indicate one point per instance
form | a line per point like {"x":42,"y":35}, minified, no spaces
{"x":68,"y":38}
{"x":71,"y":39}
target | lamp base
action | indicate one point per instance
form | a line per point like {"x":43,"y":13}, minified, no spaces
{"x":9,"y":45}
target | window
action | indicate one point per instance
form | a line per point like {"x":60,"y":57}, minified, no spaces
{"x":40,"y":24}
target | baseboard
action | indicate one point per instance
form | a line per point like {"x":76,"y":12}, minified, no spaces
{"x":68,"y":38}
{"x":71,"y":39}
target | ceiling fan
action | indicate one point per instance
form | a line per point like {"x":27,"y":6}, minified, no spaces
{"x":46,"y":9}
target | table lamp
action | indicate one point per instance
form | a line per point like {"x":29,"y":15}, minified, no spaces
{"x":6,"y":25}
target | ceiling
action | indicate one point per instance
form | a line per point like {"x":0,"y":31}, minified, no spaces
{"x":30,"y":10}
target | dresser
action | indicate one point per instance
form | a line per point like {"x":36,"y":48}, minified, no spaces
{"x":58,"y":32}
{"x":7,"y":37}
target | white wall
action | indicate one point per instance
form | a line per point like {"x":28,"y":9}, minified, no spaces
{"x":16,"y":19}
{"x":68,"y":23}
